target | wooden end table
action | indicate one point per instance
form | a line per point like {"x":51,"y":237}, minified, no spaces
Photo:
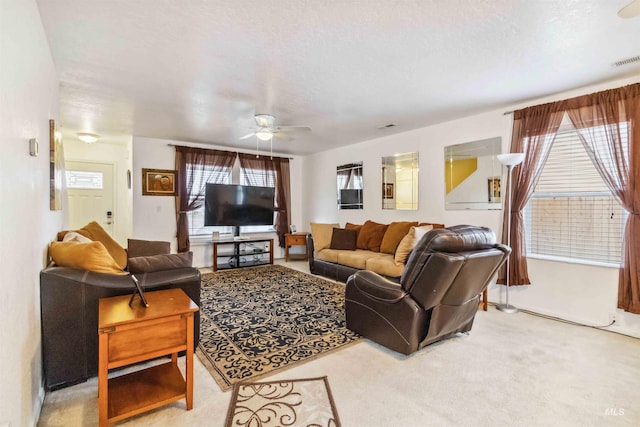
{"x":295,"y":239}
{"x":134,"y":334}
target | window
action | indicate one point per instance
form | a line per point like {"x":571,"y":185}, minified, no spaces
{"x":262,"y":178}
{"x":84,"y":180}
{"x":196,"y":217}
{"x":572,"y":215}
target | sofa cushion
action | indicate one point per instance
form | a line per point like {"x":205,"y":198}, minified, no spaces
{"x":408,"y":242}
{"x":394,"y":234}
{"x":385,"y":265}
{"x":322,"y":235}
{"x":138,"y":248}
{"x":95,"y":232}
{"x":92,"y":256}
{"x":149,"y":264}
{"x":356,"y":259}
{"x":343,"y":239}
{"x":328,"y":255}
{"x":370,"y":236}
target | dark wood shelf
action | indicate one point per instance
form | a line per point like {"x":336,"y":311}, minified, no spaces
{"x":237,"y":255}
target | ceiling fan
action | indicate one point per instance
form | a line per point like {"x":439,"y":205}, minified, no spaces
{"x":631,"y":10}
{"x":267,"y":128}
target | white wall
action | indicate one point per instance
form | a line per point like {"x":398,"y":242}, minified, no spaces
{"x":154,"y":216}
{"x":29,"y":98}
{"x":572,"y":291}
{"x":119,"y":155}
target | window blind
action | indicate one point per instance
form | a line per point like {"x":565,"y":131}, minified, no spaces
{"x":572,"y":215}
{"x":200,"y":178}
{"x":265,"y":178}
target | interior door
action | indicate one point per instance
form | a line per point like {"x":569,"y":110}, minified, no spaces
{"x":90,"y":194}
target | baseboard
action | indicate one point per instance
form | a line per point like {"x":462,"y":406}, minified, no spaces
{"x":613,"y":328}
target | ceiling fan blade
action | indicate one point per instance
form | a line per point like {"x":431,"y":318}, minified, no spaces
{"x":247,"y":135}
{"x":294,"y":129}
{"x":631,"y":10}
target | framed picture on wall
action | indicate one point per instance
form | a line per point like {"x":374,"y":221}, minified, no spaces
{"x":387,"y":191}
{"x":159,"y":182}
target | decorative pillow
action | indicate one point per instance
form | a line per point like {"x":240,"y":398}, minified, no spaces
{"x":394,"y":234}
{"x":370,"y":236}
{"x":421,"y":231}
{"x":92,"y":256}
{"x":72,"y":236}
{"x":322,"y":235}
{"x":408,"y":242}
{"x":95,"y":232}
{"x":137,"y":248}
{"x":356,"y":227}
{"x":344,"y":239}
{"x":149,"y":264}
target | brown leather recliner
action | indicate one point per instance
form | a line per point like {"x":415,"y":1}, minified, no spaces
{"x":438,"y":293}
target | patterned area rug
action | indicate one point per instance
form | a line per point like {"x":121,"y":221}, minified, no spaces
{"x":256,"y":321}
{"x":305,"y":402}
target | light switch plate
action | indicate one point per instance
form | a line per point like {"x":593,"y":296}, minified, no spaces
{"x":33,"y":149}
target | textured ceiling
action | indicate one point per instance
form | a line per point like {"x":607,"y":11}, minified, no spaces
{"x":198,"y":70}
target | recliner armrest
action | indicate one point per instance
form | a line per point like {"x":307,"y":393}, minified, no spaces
{"x":376,"y":287}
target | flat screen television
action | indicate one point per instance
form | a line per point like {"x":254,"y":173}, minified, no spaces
{"x":238,"y":205}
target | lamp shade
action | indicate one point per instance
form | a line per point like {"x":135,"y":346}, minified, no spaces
{"x":510,"y":159}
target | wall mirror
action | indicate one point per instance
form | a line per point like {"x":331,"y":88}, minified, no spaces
{"x":472,"y":175}
{"x":350,"y":186}
{"x":400,"y":182}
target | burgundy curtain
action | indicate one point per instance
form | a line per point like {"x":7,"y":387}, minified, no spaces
{"x":605,"y":120}
{"x":279,"y":166}
{"x":534,"y":130}
{"x":195,"y":167}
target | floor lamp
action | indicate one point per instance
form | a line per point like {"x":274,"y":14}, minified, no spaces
{"x":510,"y":160}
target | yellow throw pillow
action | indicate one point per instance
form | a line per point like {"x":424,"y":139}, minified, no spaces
{"x":91,"y":256}
{"x":394,"y":234}
{"x":322,"y":235}
{"x":95,"y":232}
{"x":408,"y":242}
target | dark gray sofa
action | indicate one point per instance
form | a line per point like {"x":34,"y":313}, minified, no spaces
{"x":69,"y":308}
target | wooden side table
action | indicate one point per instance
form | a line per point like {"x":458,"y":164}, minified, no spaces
{"x":129,"y":335}
{"x":295,"y":239}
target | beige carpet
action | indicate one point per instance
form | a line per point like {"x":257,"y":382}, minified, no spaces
{"x":256,"y":321}
{"x":512,"y":370}
{"x":296,"y":403}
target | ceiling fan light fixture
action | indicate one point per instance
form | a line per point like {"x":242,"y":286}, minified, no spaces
{"x":88,"y":138}
{"x":264,"y":135}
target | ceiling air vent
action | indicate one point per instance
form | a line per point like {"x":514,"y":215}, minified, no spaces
{"x":626,"y":61}
{"x":390,"y":125}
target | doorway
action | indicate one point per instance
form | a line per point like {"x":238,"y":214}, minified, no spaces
{"x":91,"y":196}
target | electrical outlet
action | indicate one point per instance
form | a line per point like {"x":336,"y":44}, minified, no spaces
{"x":612,"y":317}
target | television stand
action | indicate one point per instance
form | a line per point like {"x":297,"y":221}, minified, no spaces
{"x":244,"y":252}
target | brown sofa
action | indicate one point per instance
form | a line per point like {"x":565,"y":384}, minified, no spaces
{"x":438,"y":294}
{"x":339,"y":264}
{"x":69,"y":307}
